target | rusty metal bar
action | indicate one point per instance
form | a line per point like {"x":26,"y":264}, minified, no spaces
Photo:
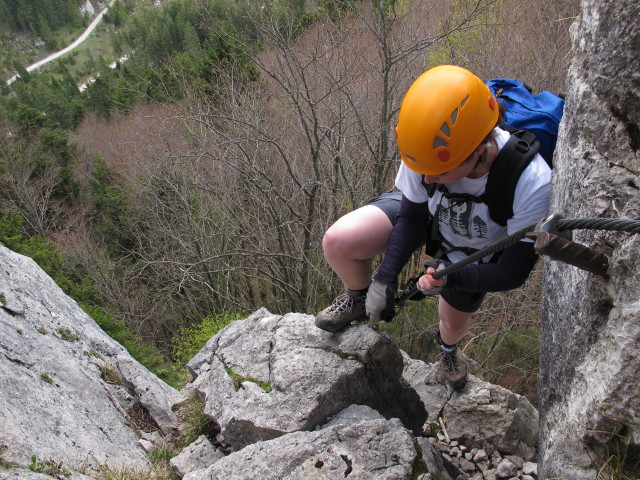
{"x":559,"y":248}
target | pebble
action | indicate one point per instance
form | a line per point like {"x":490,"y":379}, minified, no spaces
{"x":506,"y":469}
{"x":466,"y":465}
{"x":480,"y":455}
{"x":477,"y":464}
{"x":530,"y":468}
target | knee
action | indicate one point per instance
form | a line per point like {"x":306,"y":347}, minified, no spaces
{"x":335,"y":243}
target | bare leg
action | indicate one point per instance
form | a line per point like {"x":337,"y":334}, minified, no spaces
{"x":453,"y":323}
{"x":352,"y":241}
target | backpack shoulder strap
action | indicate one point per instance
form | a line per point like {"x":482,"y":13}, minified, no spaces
{"x":512,"y":160}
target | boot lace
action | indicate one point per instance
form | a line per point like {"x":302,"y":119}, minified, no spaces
{"x":343,"y":303}
{"x":450,"y":361}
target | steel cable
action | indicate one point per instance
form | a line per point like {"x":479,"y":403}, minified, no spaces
{"x":610,"y":224}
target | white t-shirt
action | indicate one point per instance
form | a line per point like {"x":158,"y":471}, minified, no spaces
{"x":467,"y":224}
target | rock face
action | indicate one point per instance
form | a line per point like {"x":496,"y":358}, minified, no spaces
{"x":287,"y":400}
{"x":590,"y":340}
{"x":54,"y":401}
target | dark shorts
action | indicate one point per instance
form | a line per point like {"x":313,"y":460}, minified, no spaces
{"x":465,"y":301}
{"x":468,"y":302}
{"x":389,"y":203}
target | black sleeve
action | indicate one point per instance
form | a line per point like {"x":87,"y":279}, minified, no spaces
{"x":407,"y":235}
{"x":509,"y":273}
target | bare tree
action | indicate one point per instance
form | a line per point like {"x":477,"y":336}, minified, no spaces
{"x":28,"y":184}
{"x":285,"y":155}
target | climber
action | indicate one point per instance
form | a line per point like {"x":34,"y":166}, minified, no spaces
{"x":448,"y":135}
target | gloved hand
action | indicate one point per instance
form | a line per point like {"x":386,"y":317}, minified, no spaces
{"x":429,"y":285}
{"x":380,"y":304}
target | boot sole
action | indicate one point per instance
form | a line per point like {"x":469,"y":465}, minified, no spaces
{"x":333,"y":326}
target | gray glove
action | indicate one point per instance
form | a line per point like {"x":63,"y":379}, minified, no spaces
{"x":438,"y":265}
{"x":380,"y":304}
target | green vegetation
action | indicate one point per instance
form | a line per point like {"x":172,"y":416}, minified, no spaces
{"x":45,"y":377}
{"x":191,"y":414}
{"x":190,"y":339}
{"x":48,"y":467}
{"x":94,"y":353}
{"x":238,"y":380}
{"x":39,"y":16}
{"x":147,"y":355}
{"x":68,"y":335}
{"x":110,"y":373}
{"x":158,"y":472}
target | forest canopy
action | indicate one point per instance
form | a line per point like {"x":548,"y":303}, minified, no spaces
{"x":39,"y":16}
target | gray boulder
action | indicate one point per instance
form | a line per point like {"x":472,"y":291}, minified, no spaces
{"x":349,"y":447}
{"x":482,"y":415}
{"x":270,"y":375}
{"x":199,"y":455}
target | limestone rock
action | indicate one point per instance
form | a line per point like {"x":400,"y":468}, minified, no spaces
{"x":307,"y":376}
{"x":54,"y":403}
{"x":197,"y":456}
{"x":590,"y":330}
{"x":154,"y":395}
{"x":377,"y":448}
{"x":483,"y":415}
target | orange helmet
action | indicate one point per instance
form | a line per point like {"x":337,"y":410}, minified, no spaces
{"x":444,"y":117}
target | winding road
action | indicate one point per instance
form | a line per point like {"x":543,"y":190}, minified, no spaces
{"x":68,"y":48}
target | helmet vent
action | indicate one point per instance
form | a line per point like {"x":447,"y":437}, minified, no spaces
{"x":454,"y":116}
{"x":439,"y":142}
{"x":464,"y":102}
{"x":445,"y":129}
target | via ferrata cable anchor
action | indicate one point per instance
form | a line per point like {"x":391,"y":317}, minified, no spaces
{"x":557,"y":245}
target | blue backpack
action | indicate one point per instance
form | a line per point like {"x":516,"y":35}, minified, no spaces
{"x":533,"y":122}
{"x":540,"y":114}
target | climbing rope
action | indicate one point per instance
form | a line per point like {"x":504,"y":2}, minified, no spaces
{"x":561,"y":224}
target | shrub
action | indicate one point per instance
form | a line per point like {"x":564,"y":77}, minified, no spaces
{"x":190,"y":340}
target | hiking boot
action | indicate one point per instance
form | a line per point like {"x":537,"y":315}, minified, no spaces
{"x":345,"y":309}
{"x":453,"y":368}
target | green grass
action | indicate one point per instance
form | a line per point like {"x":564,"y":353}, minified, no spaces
{"x":48,"y":467}
{"x":196,"y":423}
{"x":190,"y":340}
{"x":110,"y":373}
{"x":238,"y":380}
{"x":68,"y":335}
